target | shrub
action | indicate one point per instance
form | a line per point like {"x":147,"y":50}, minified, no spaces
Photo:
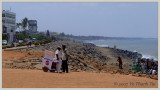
{"x":18,"y":45}
{"x":4,"y":47}
{"x":21,"y":44}
{"x":33,"y":42}
{"x":8,"y":46}
{"x":47,"y":41}
{"x":36,"y":43}
{"x":12,"y":45}
{"x":42,"y":42}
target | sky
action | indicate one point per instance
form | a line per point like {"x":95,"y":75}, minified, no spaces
{"x":97,"y":19}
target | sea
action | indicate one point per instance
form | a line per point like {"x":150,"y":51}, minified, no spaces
{"x":148,"y":47}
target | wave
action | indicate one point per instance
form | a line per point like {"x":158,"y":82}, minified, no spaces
{"x":103,"y":45}
{"x":149,"y":57}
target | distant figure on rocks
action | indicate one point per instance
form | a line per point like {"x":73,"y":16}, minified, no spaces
{"x":58,"y":58}
{"x":64,"y":59}
{"x":120,"y":62}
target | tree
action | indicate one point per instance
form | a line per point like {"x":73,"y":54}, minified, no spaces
{"x":4,"y":37}
{"x":47,"y":33}
{"x":38,"y":37}
{"x":24,"y":23}
{"x":18,"y":26}
{"x":21,"y":36}
{"x":62,"y":34}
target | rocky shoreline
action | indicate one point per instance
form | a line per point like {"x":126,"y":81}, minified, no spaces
{"x":82,"y":56}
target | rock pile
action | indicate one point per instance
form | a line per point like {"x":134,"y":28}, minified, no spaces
{"x":125,"y":54}
{"x":81,"y":55}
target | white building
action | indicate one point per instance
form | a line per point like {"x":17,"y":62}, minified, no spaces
{"x":9,"y":25}
{"x":32,"y":26}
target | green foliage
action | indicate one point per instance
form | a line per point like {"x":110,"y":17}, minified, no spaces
{"x":44,"y":41}
{"x":53,"y":38}
{"x":36,"y":43}
{"x":21,"y":36}
{"x":33,"y":36}
{"x":41,"y":43}
{"x":9,"y":47}
{"x":4,"y":37}
{"x":18,"y":25}
{"x":24,"y":33}
{"x":47,"y":33}
{"x":33,"y":42}
{"x":24,"y":23}
{"x":4,"y":47}
{"x":38,"y":37}
{"x":62,"y":34}
{"x":47,"y":41}
{"x":22,"y":44}
{"x":12,"y":45}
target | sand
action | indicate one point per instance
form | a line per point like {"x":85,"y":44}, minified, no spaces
{"x":18,"y":78}
{"x":27,"y":78}
{"x":15,"y":55}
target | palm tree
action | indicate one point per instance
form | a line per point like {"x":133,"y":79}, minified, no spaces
{"x":19,"y":25}
{"x":24,"y":23}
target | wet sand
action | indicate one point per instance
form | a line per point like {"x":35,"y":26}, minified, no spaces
{"x":18,"y":78}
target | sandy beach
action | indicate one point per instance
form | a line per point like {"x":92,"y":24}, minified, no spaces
{"x":17,"y":78}
{"x":22,"y":69}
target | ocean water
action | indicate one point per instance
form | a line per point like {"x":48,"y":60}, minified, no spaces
{"x":147,"y":47}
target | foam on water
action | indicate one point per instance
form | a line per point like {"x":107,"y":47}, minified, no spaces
{"x":149,"y":57}
{"x":103,"y":45}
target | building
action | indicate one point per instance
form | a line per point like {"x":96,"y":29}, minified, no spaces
{"x":32,"y":26}
{"x":9,"y":25}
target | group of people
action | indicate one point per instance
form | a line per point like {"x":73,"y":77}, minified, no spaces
{"x":141,"y":65}
{"x":61,"y":60}
{"x":148,"y":66}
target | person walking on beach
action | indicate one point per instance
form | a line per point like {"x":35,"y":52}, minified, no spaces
{"x":30,"y":43}
{"x":64,"y":59}
{"x":120,"y":62}
{"x":58,"y":58}
{"x":27,"y":43}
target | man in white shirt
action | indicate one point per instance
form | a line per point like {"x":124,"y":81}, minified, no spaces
{"x":58,"y":58}
{"x":64,"y":59}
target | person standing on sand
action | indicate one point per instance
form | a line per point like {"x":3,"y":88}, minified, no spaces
{"x":30,"y":43}
{"x":58,"y":58}
{"x":64,"y":59}
{"x":120,"y":62}
{"x":27,"y":43}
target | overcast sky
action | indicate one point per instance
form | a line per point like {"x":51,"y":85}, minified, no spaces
{"x":100,"y":19}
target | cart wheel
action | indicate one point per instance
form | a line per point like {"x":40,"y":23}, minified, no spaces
{"x":45,"y":69}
